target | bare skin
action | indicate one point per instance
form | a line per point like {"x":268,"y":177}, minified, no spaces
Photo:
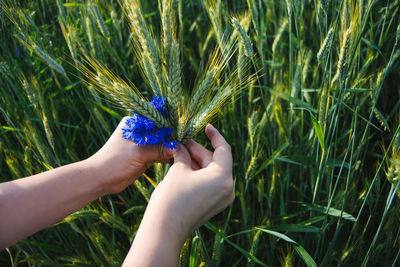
{"x":198,"y":185}
{"x":33,"y":203}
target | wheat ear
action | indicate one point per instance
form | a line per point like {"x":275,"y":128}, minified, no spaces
{"x":325,"y":47}
{"x":167,"y":21}
{"x":43,"y":55}
{"x":121,"y":92}
{"x":249,"y":52}
{"x":278,"y":36}
{"x":201,"y":90}
{"x":99,"y":20}
{"x":174,"y":82}
{"x":342,"y":67}
{"x":145,"y":43}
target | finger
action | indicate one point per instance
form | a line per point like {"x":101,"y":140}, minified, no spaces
{"x":148,"y":153}
{"x":118,"y":131}
{"x":222,"y":153}
{"x":155,"y":153}
{"x":199,"y":153}
{"x":195,"y":165}
{"x":182,"y":156}
{"x":215,"y":137}
{"x":122,"y":122}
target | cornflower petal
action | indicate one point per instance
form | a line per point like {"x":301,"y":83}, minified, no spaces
{"x":144,"y":132}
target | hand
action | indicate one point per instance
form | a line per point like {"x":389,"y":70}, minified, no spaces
{"x":198,"y":185}
{"x":121,"y":161}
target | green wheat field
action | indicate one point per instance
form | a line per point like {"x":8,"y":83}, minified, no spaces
{"x":315,"y":131}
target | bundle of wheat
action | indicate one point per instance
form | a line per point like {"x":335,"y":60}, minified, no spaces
{"x":175,"y":114}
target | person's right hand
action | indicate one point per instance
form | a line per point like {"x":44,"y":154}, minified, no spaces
{"x":197,"y":186}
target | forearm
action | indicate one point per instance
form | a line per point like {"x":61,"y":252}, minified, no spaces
{"x":30,"y":204}
{"x":153,"y":249}
{"x":157,"y":241}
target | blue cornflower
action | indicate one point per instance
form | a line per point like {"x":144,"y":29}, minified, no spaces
{"x":165,"y":138}
{"x":19,"y":53}
{"x":144,"y":132}
{"x":160,"y":104}
{"x":170,"y":144}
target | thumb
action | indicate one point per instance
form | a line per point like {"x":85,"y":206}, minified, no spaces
{"x":182,"y":156}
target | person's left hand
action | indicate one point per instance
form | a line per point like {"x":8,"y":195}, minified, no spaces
{"x":122,"y":161}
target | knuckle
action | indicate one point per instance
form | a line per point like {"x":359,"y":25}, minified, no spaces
{"x":226,"y":148}
{"x":220,"y":170}
{"x":178,"y":167}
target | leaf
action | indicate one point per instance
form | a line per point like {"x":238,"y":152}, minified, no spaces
{"x":293,"y":100}
{"x":359,"y":90}
{"x":318,"y":130}
{"x":299,"y":249}
{"x":282,"y":227}
{"x":288,"y":160}
{"x":337,"y":163}
{"x":7,"y":128}
{"x":273,"y":64}
{"x":277,"y":234}
{"x":194,"y":251}
{"x":313,"y":220}
{"x":300,"y":228}
{"x":71,"y":4}
{"x":305,"y":256}
{"x":373,"y":46}
{"x":331,"y":211}
{"x":110,"y":111}
{"x":271,"y":159}
{"x":69,"y":87}
{"x":242,"y":232}
{"x":210,"y":226}
{"x":244,"y":252}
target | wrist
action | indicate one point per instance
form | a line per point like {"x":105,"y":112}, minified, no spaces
{"x":156,"y":243}
{"x":97,"y":175}
{"x":163,"y":213}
